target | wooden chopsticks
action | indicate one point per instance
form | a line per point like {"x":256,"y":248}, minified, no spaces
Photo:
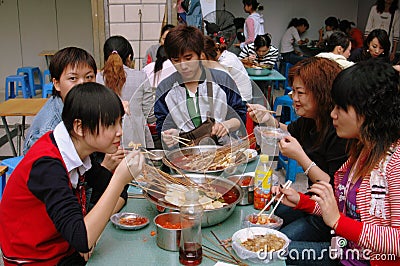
{"x":286,"y":185}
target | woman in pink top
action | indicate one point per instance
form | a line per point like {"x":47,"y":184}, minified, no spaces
{"x":254,"y":24}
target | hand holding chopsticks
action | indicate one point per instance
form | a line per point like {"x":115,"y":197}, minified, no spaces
{"x":286,"y":185}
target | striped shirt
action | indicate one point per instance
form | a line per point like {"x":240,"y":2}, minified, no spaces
{"x":269,"y":58}
{"x":380,"y":235}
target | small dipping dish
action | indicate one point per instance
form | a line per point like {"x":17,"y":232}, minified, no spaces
{"x":168,"y":230}
{"x":252,"y":220}
{"x":155,"y":157}
{"x":246,"y":183}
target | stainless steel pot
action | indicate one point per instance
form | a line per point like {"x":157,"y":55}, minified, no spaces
{"x":168,"y":239}
{"x":247,"y":190}
{"x":210,"y":217}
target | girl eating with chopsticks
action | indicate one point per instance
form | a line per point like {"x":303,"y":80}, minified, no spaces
{"x":363,"y":207}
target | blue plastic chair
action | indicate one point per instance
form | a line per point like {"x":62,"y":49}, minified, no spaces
{"x":11,"y":163}
{"x":47,"y":84}
{"x":31,"y":72}
{"x":15,"y":83}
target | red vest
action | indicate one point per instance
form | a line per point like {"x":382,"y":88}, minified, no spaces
{"x":26,"y":230}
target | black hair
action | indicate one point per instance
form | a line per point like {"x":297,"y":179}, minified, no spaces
{"x":295,"y":22}
{"x":380,"y":6}
{"x":337,"y":38}
{"x":345,"y":25}
{"x":262,"y":40}
{"x":253,"y":3}
{"x":181,"y":39}
{"x":332,"y":22}
{"x":161,"y":58}
{"x":120,"y":45}
{"x":165,"y":28}
{"x":69,"y":56}
{"x":372,"y":88}
{"x":383,"y":39}
{"x":93,"y":104}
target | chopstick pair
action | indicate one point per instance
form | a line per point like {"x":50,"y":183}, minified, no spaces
{"x":179,"y":139}
{"x":286,"y":185}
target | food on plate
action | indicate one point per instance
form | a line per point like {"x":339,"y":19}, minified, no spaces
{"x":170,"y":225}
{"x":176,"y":196}
{"x":261,"y":219}
{"x":132,"y":221}
{"x":268,"y":242}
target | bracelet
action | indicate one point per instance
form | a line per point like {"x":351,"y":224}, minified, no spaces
{"x":312,"y":164}
{"x":336,"y":224}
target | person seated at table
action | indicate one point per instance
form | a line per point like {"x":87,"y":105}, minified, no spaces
{"x":260,"y":52}
{"x":291,"y":39}
{"x":68,"y":67}
{"x":356,"y":37}
{"x":377,"y":46}
{"x":151,"y":52}
{"x":182,"y":99}
{"x":229,"y":63}
{"x":338,"y":48}
{"x":331,"y":25}
{"x":363,"y":206}
{"x":313,"y":141}
{"x":43,"y":218}
{"x":132,"y":86}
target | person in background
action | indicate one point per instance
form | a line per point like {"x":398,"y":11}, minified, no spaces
{"x":151,"y":52}
{"x":160,"y":69}
{"x":363,"y":206}
{"x":385,"y":15}
{"x":229,"y":62}
{"x":260,"y":52}
{"x":68,"y":67}
{"x":194,"y":15}
{"x":356,"y":37}
{"x":313,"y":141}
{"x":239,"y":28}
{"x":46,"y":191}
{"x":338,"y":48}
{"x":182,"y":99}
{"x":331,"y":25}
{"x":376,"y":45}
{"x":181,"y":13}
{"x":132,"y":86}
{"x":254,"y":23}
{"x":291,"y":39}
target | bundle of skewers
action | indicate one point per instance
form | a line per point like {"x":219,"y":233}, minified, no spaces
{"x":218,"y":159}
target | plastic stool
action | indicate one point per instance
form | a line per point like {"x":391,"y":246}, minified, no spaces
{"x":11,"y":163}
{"x":283,"y":101}
{"x":31,"y":71}
{"x":3,"y":170}
{"x":15,"y":83}
{"x":291,"y":167}
{"x":47,"y":84}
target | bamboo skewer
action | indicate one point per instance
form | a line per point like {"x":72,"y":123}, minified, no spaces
{"x":217,"y":253}
{"x":227,"y":250}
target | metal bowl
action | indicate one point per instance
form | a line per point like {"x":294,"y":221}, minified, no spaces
{"x":155,"y":157}
{"x":115,"y":219}
{"x":258,"y":71}
{"x":210,"y":217}
{"x":168,"y":239}
{"x":247,"y":189}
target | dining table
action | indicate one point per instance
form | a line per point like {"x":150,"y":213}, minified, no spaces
{"x":19,"y":107}
{"x":139,"y":247}
{"x":274,"y":77}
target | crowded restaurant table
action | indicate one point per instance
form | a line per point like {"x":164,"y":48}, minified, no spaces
{"x":123,"y":247}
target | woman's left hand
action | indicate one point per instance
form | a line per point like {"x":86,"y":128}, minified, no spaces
{"x":219,"y":130}
{"x":325,"y":197}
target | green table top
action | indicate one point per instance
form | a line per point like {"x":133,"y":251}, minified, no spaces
{"x":122,"y":247}
{"x":274,"y":76}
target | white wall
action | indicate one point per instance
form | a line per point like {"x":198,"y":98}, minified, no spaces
{"x":278,"y":13}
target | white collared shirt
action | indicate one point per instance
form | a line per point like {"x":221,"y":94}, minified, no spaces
{"x":70,"y":155}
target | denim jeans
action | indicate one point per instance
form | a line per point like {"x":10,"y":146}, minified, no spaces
{"x":300,"y":226}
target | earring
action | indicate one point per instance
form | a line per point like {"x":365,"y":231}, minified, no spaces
{"x":367,"y":50}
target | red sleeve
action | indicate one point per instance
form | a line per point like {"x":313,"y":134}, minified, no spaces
{"x":358,"y":38}
{"x":305,"y":204}
{"x":349,"y":228}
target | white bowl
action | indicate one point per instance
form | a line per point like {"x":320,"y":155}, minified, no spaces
{"x":258,"y":257}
